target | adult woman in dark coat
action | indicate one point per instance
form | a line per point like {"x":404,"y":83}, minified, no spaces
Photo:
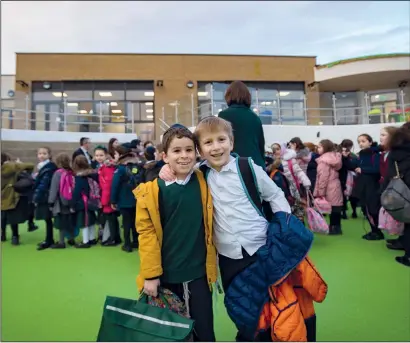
{"x":249,"y":140}
{"x":400,"y":153}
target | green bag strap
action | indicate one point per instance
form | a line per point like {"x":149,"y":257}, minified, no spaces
{"x":249,"y":182}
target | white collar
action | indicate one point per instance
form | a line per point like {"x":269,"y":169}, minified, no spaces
{"x":230,"y":166}
{"x":180,"y":182}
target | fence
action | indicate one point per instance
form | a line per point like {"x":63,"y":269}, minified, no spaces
{"x":332,"y":109}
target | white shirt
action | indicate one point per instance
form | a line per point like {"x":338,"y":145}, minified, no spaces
{"x":180,"y":182}
{"x":236,"y":222}
{"x":87,"y":155}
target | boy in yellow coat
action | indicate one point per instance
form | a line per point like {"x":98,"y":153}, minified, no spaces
{"x":174,"y":222}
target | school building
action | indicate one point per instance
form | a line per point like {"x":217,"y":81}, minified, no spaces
{"x":143,"y":94}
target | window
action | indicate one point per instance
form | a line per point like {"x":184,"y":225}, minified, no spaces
{"x":107,"y":95}
{"x":291,"y":110}
{"x":78,"y":95}
{"x":140,"y":95}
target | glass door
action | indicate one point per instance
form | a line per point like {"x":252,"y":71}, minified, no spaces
{"x":6,"y":119}
{"x":47,"y":116}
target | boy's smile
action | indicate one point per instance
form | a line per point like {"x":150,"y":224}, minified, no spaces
{"x":216,"y":148}
{"x":181,"y":156}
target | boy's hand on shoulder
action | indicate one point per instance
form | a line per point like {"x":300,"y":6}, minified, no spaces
{"x":167,"y":174}
{"x":151,"y":287}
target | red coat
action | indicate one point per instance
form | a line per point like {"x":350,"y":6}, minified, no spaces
{"x":105,"y":176}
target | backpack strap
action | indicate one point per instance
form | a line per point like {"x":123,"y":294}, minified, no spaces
{"x":204,"y":169}
{"x":249,"y":182}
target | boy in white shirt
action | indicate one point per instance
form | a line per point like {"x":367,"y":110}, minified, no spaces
{"x":239,"y":229}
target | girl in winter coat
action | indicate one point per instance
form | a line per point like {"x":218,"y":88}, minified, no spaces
{"x":14,"y":209}
{"x":400,"y":153}
{"x":46,"y":168}
{"x":385,"y":137}
{"x":346,"y":149}
{"x":126,"y":178}
{"x":303,"y":154}
{"x":111,"y":235}
{"x":328,"y":184}
{"x":312,"y":165}
{"x":64,"y":219}
{"x":367,"y":168}
{"x":295,"y":176}
{"x":86,"y":180}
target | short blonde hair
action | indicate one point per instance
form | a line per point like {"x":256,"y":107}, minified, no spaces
{"x":212,"y":124}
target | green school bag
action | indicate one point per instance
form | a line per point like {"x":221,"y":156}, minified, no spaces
{"x":126,"y":320}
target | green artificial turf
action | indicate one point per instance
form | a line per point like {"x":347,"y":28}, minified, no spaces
{"x":58,"y":295}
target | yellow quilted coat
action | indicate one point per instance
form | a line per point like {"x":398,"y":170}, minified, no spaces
{"x":148,"y":224}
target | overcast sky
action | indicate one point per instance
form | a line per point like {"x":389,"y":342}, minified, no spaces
{"x":327,"y":29}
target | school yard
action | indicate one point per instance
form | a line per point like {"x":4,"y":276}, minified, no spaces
{"x":58,"y":295}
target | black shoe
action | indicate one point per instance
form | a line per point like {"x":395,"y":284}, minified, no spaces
{"x":354,"y":215}
{"x":3,"y":238}
{"x":118,"y":241}
{"x":71,"y":242}
{"x":374,"y":236}
{"x":344,"y":215}
{"x":126,"y":248}
{"x":393,"y":241}
{"x":93,"y":242}
{"x":83,"y":245}
{"x":109,"y":244}
{"x":32,"y":227}
{"x":58,"y":246}
{"x":405,"y":260}
{"x":338,"y":230}
{"x":135,"y":245}
{"x":15,"y":240}
{"x":44,"y":245}
{"x":394,"y":244}
{"x":332,"y":230}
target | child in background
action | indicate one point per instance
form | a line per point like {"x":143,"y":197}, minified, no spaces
{"x":64,"y":219}
{"x":174,"y":222}
{"x":385,"y":135}
{"x":312,"y":165}
{"x":275,"y":171}
{"x":296,"y":177}
{"x":346,"y":149}
{"x":153,"y":163}
{"x":109,"y":216}
{"x":112,"y":145}
{"x":100,"y":156}
{"x":328,"y":184}
{"x":303,"y":155}
{"x":46,"y":169}
{"x":367,"y":168}
{"x":85,"y":215}
{"x":127,"y":177}
{"x":14,"y":209}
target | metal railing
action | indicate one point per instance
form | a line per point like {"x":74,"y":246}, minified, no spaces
{"x":332,"y":110}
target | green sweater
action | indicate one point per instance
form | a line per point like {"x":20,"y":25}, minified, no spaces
{"x":183,"y":244}
{"x":248,"y":132}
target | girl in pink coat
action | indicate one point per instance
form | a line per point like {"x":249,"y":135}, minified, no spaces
{"x":328,"y":184}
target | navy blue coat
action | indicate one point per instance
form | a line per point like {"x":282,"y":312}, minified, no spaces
{"x":288,"y":242}
{"x":43,"y":182}
{"x":121,"y":190}
{"x":367,"y":182}
{"x":81,"y":187}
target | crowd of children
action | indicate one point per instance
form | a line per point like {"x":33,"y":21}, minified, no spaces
{"x":334,"y":174}
{"x":79,"y":194}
